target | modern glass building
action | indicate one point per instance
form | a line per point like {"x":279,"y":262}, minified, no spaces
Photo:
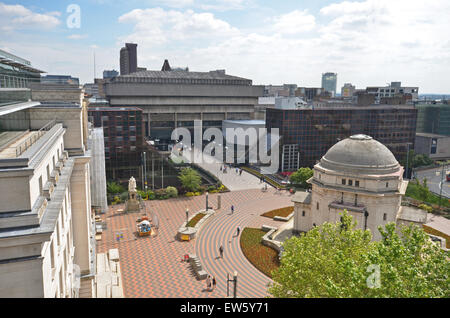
{"x":16,"y":72}
{"x":433,"y":118}
{"x":307,"y":134}
{"x":329,"y":82}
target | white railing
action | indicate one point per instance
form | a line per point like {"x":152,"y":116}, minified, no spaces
{"x":27,"y":143}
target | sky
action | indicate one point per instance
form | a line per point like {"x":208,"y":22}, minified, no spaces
{"x":367,"y":42}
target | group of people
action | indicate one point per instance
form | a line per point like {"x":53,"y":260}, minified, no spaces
{"x":225,"y":168}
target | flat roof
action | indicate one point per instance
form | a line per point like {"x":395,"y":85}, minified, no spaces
{"x":429,"y":135}
{"x":9,"y":108}
{"x":112,"y":109}
{"x":246,"y":122}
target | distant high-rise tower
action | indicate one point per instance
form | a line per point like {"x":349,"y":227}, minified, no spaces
{"x":329,"y":82}
{"x":128,"y":59}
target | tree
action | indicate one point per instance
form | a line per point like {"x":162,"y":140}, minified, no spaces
{"x":337,"y":260}
{"x":301,"y":176}
{"x":114,"y":188}
{"x":190,"y":179}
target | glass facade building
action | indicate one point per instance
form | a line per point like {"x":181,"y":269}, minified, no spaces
{"x":314,"y":131}
{"x":433,"y":119}
{"x":329,"y":82}
{"x":16,"y":72}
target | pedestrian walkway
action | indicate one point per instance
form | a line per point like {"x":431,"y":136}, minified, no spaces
{"x":153,"y":266}
{"x":232,"y":180}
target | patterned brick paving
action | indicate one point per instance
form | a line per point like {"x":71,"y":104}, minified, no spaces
{"x":152,"y":266}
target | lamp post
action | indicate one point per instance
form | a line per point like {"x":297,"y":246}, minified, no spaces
{"x":206,"y":201}
{"x":187,"y":216}
{"x":441,"y":185}
{"x":234,"y":280}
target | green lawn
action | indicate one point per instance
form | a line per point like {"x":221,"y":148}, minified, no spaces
{"x":283,"y":212}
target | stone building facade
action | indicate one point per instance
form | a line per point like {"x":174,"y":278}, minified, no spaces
{"x":360,"y":175}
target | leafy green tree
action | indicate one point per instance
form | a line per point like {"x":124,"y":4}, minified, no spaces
{"x":301,"y":176}
{"x":190,"y":179}
{"x":114,"y":188}
{"x":338,"y":260}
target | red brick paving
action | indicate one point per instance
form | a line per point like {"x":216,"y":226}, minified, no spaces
{"x":152,"y":266}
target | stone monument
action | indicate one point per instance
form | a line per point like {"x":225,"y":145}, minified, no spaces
{"x":132,"y":204}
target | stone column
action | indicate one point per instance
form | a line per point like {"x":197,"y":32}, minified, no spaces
{"x":81,"y":213}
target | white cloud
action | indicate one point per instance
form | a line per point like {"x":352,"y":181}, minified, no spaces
{"x":14,"y":17}
{"x":158,"y":26}
{"x":294,"y":22}
{"x":77,"y":36}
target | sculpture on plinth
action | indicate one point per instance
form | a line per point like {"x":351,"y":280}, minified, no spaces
{"x":132,"y":204}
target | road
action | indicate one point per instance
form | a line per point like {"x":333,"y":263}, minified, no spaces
{"x":433,"y":177}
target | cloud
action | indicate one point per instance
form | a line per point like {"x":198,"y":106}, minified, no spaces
{"x":77,"y":36}
{"x":15,"y":17}
{"x":157,"y":26}
{"x":294,"y":22}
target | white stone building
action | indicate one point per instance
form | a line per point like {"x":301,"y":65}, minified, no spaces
{"x":45,"y":212}
{"x":360,"y":175}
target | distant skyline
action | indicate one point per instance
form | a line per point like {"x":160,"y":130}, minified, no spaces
{"x":367,"y":43}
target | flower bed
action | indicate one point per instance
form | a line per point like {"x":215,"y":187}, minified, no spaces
{"x":193,"y":222}
{"x":267,"y":179}
{"x":283,"y":212}
{"x":264,"y":258}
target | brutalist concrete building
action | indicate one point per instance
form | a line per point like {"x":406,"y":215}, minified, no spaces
{"x":173,"y":99}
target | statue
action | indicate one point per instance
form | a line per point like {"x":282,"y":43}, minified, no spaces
{"x":132,"y":204}
{"x":132,"y":185}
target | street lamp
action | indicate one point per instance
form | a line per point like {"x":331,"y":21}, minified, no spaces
{"x":206,"y":201}
{"x":234,"y":280}
{"x":441,"y":186}
{"x":187,"y":216}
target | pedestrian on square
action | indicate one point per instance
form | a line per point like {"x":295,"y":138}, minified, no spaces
{"x":221,"y":251}
{"x":221,"y":168}
{"x":208,"y":283}
{"x":237,"y":170}
{"x":213,"y":283}
{"x":232,"y":209}
{"x":238,"y":230}
{"x":240,"y":172}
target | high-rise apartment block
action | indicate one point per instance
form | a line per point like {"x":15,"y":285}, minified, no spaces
{"x":128,"y":59}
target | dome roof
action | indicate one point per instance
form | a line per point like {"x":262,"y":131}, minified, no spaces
{"x":360,"y":154}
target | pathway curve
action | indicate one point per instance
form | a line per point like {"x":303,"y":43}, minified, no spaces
{"x":221,"y":230}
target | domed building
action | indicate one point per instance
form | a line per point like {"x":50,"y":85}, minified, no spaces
{"x":362,"y":176}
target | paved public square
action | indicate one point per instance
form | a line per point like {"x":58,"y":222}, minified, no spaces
{"x":153,"y":266}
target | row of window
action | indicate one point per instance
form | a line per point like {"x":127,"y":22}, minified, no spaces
{"x":350,"y":182}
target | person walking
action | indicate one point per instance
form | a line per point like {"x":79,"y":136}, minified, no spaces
{"x":232,"y":209}
{"x":208,"y":283}
{"x":213,"y":283}
{"x":221,"y":251}
{"x":240,"y":172}
{"x":238,"y":230}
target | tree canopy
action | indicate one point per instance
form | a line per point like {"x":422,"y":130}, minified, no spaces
{"x":337,"y":260}
{"x":190,"y":179}
{"x":301,"y":176}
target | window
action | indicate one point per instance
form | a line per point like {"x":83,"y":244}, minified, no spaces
{"x":350,"y":182}
{"x":40,"y":186}
{"x":384,"y":217}
{"x":343,"y":181}
{"x":357,"y":184}
{"x":303,"y":213}
{"x":48,"y":172}
{"x":317,"y":205}
{"x":387,"y":184}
